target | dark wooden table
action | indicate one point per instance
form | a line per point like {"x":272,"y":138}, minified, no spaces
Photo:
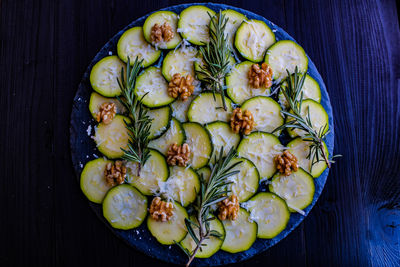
{"x":46,"y":46}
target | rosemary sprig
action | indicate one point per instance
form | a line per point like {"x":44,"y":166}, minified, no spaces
{"x":294,"y":96}
{"x":215,"y":55}
{"x":140,"y":122}
{"x":211,"y":192}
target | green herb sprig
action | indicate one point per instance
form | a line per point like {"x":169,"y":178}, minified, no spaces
{"x":140,"y":123}
{"x":216,"y":55}
{"x":294,"y":96}
{"x":211,"y":192}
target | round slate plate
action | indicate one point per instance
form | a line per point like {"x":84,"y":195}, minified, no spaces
{"x":83,"y":150}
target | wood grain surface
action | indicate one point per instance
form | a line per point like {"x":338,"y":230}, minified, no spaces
{"x":45,"y":48}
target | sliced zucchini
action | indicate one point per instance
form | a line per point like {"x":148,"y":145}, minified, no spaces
{"x":297,"y":189}
{"x":301,"y":149}
{"x":97,"y":100}
{"x":240,"y":234}
{"x":124,"y":207}
{"x":235,"y":19}
{"x":180,"y":108}
{"x":181,"y":186}
{"x":261,"y":148}
{"x":199,"y":141}
{"x":161,"y":17}
{"x":311,"y":90}
{"x":174,"y":134}
{"x":169,"y":232}
{"x":193,"y":24}
{"x":152,"y":173}
{"x":270,"y":212}
{"x":104,"y":74}
{"x":161,"y":120}
{"x":253,"y":38}
{"x":93,"y":183}
{"x":237,"y":83}
{"x":286,"y":55}
{"x":204,"y":108}
{"x":266,"y":113}
{"x":205,"y":172}
{"x":179,"y":61}
{"x":110,"y":138}
{"x":222,"y":136}
{"x":319,"y":117}
{"x":245,"y":183}
{"x":211,"y":245}
{"x":132,"y":44}
{"x":152,"y":86}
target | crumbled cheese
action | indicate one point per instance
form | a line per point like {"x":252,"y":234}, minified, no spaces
{"x":89,"y":130}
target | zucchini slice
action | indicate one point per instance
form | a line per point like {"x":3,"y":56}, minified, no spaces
{"x":296,"y":189}
{"x":235,"y":19}
{"x":161,"y":120}
{"x":211,"y":245}
{"x":181,"y":186}
{"x":169,"y":232}
{"x":110,"y":138}
{"x":153,"y":172}
{"x":93,"y":183}
{"x":152,"y":83}
{"x":240,"y":234}
{"x":180,"y":108}
{"x":319,"y":117}
{"x":238,"y":87}
{"x":205,"y":172}
{"x":174,"y":134}
{"x":270,"y":212}
{"x":261,"y":148}
{"x":222,"y":136}
{"x":301,"y":149}
{"x":179,"y":61}
{"x":124,"y":207}
{"x":161,"y":17}
{"x":266,"y":113}
{"x":132,"y":44}
{"x":96,"y":100}
{"x":311,"y":90}
{"x":104,"y":74}
{"x":245,"y":183}
{"x":199,"y":141}
{"x":205,"y":109}
{"x":286,"y":55}
{"x":193,"y":24}
{"x":253,"y":38}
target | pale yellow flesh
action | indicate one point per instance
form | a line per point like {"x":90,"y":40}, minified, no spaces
{"x":245,"y":183}
{"x":222,"y":136}
{"x":96,"y":100}
{"x":205,"y":110}
{"x":180,"y":61}
{"x":174,"y":134}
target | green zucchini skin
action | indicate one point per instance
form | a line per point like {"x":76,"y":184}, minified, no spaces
{"x":199,"y":34}
{"x":93,"y":183}
{"x":161,"y":17}
{"x":96,"y":100}
{"x":270,"y":212}
{"x":174,"y":134}
{"x":104,"y":74}
{"x":235,"y":19}
{"x":198,"y":138}
{"x":292,"y":54}
{"x":235,"y":242}
{"x":253,"y":38}
{"x":124,"y":207}
{"x":169,"y":232}
{"x":161,"y":121}
{"x":132,"y":44}
{"x":296,"y":189}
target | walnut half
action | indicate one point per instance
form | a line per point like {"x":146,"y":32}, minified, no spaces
{"x":161,"y":210}
{"x":178,"y":155}
{"x":161,"y":33}
{"x":181,"y":86}
{"x":286,"y":163}
{"x":106,"y":112}
{"x":242,"y":121}
{"x":228,"y":208}
{"x":115,"y":173}
{"x":260,"y":77}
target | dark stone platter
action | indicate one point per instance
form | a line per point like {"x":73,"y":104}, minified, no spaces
{"x":83,"y":149}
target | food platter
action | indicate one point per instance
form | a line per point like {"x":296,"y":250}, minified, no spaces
{"x":83,"y":149}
